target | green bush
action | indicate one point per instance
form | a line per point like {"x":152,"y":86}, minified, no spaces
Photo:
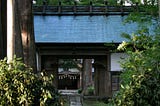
{"x":90,"y":90}
{"x":141,"y":72}
{"x":19,"y":86}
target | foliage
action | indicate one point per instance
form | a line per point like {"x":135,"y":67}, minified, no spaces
{"x":21,"y":87}
{"x":78,"y":2}
{"x":67,"y":64}
{"x":97,"y":2}
{"x":141,"y":70}
{"x":90,"y":90}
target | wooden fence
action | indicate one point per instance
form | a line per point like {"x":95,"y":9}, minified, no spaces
{"x":83,"y":10}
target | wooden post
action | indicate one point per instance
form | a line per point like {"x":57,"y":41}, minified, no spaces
{"x":44,"y":6}
{"x":90,"y":7}
{"x":75,"y":7}
{"x":38,"y":61}
{"x":87,"y":74}
{"x":102,"y":77}
{"x":59,"y":7}
{"x":51,"y":67}
{"x":121,"y":3}
{"x":106,"y":7}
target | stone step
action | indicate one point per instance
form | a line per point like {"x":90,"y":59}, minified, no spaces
{"x":75,"y":104}
{"x":75,"y":100}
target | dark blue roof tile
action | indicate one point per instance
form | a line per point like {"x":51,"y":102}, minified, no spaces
{"x":81,"y":29}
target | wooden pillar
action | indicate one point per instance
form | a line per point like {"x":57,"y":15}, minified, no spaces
{"x":44,"y":6}
{"x":91,"y":7}
{"x":38,"y":57}
{"x":106,"y":7}
{"x":59,"y":7}
{"x":75,"y":7}
{"x":87,"y":74}
{"x":50,"y":65}
{"x":102,"y":76}
{"x":55,"y":72}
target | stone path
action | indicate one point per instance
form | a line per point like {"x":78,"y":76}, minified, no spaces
{"x":74,"y":98}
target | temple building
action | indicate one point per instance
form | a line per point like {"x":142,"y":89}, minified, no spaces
{"x":85,"y":38}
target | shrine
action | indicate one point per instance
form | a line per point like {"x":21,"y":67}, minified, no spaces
{"x":87,"y":35}
{"x":89,"y":39}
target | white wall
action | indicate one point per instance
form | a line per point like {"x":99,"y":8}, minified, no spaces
{"x":115,"y":58}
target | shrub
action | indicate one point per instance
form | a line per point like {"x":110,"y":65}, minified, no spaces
{"x":141,"y":73}
{"x":90,"y":90}
{"x":19,"y":86}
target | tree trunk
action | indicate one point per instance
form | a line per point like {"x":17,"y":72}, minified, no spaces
{"x":14,"y":41}
{"x":10,"y":30}
{"x":18,"y":37}
{"x":3,"y":28}
{"x":27,"y":32}
{"x":1,"y":41}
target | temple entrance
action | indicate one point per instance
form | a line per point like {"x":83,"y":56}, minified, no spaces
{"x":74,"y":74}
{"x":69,"y":73}
{"x":85,"y":69}
{"x":68,"y":83}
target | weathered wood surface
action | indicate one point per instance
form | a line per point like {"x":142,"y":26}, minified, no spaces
{"x":83,"y":10}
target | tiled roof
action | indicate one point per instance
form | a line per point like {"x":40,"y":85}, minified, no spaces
{"x":81,"y":29}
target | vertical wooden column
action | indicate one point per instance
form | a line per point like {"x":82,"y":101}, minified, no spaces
{"x":87,"y":73}
{"x":50,"y":64}
{"x":38,"y":57}
{"x":102,"y":76}
{"x":55,"y":71}
{"x":91,"y":7}
{"x":59,"y":7}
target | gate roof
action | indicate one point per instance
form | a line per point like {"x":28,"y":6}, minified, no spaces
{"x":81,"y":29}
